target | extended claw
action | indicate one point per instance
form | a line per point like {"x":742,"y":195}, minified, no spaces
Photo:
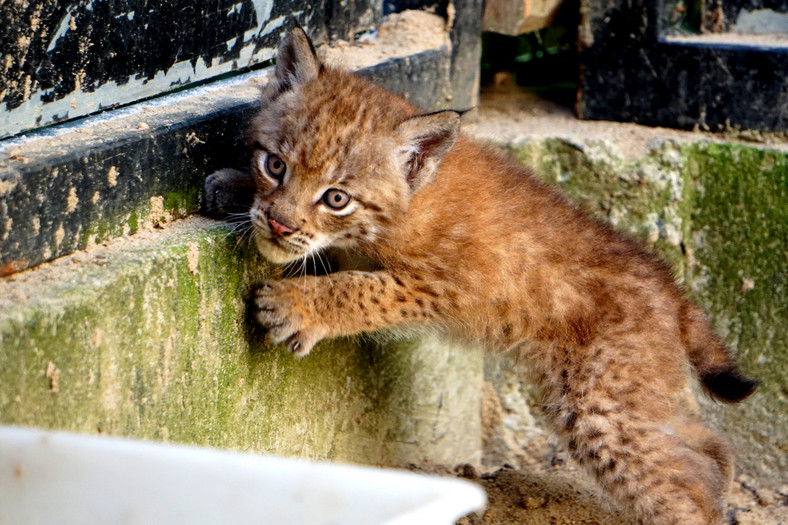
{"x":277,"y":312}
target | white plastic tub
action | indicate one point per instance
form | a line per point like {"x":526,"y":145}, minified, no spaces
{"x":60,"y":478}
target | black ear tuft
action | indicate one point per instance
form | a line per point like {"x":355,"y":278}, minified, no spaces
{"x":296,"y":61}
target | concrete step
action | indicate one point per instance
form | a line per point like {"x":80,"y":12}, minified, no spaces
{"x":149,"y":337}
{"x":138,"y":325}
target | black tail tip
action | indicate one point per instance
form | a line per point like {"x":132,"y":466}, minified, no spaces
{"x":729,"y":385}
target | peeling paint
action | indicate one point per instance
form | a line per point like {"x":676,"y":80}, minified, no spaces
{"x":7,"y":186}
{"x":71,"y":200}
{"x":80,"y":66}
{"x":112,"y":176}
{"x":60,"y":233}
{"x":9,"y":222}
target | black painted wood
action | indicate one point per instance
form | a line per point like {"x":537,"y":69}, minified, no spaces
{"x":466,"y":53}
{"x":68,"y":58}
{"x":632,"y":71}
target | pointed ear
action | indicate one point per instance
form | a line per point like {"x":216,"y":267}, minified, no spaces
{"x":296,"y":61}
{"x":425,"y":140}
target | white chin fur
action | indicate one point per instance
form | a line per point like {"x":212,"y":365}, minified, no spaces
{"x":274,"y":253}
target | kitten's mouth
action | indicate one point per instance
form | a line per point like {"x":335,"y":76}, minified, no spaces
{"x":286,"y":245}
{"x":277,"y":250}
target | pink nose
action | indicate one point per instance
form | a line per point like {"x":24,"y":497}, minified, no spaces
{"x":279,"y":228}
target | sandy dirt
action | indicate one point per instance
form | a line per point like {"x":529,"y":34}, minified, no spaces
{"x":561,"y":495}
{"x":547,"y":488}
{"x":400,"y":35}
{"x":530,"y":479}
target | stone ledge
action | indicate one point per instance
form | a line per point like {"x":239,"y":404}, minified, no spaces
{"x":148,"y":337}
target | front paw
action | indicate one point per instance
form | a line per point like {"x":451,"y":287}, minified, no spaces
{"x":280,"y":309}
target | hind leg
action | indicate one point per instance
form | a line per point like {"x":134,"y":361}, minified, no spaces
{"x":619,"y":414}
{"x":711,"y":446}
{"x":652,"y":470}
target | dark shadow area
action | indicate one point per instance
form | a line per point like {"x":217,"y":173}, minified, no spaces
{"x":543,"y":61}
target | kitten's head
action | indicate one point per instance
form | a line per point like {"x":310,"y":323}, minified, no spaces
{"x":335,"y":159}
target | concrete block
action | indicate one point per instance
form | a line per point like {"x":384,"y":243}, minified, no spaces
{"x":149,"y":337}
{"x":738,"y":269}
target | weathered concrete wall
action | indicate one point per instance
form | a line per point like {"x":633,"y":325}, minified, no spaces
{"x":739,"y":239}
{"x":66,"y":59}
{"x":718,"y":213}
{"x":149,"y":337}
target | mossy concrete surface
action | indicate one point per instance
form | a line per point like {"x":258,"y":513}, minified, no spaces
{"x":149,"y":337}
{"x":738,"y":221}
{"x":718,"y":214}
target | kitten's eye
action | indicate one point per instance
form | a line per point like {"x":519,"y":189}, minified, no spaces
{"x":275,"y":166}
{"x":335,"y":199}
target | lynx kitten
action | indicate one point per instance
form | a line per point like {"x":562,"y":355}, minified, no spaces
{"x":470,"y":244}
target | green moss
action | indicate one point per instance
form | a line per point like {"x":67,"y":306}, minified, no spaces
{"x":719,"y":214}
{"x":739,"y":273}
{"x":102,"y":228}
{"x":740,"y":234}
{"x":152,"y":345}
{"x":182,"y":203}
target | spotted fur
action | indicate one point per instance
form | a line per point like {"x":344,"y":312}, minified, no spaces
{"x":471,"y":244}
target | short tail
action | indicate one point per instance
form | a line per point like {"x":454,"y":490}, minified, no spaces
{"x":716,"y":369}
{"x":728,"y":385}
